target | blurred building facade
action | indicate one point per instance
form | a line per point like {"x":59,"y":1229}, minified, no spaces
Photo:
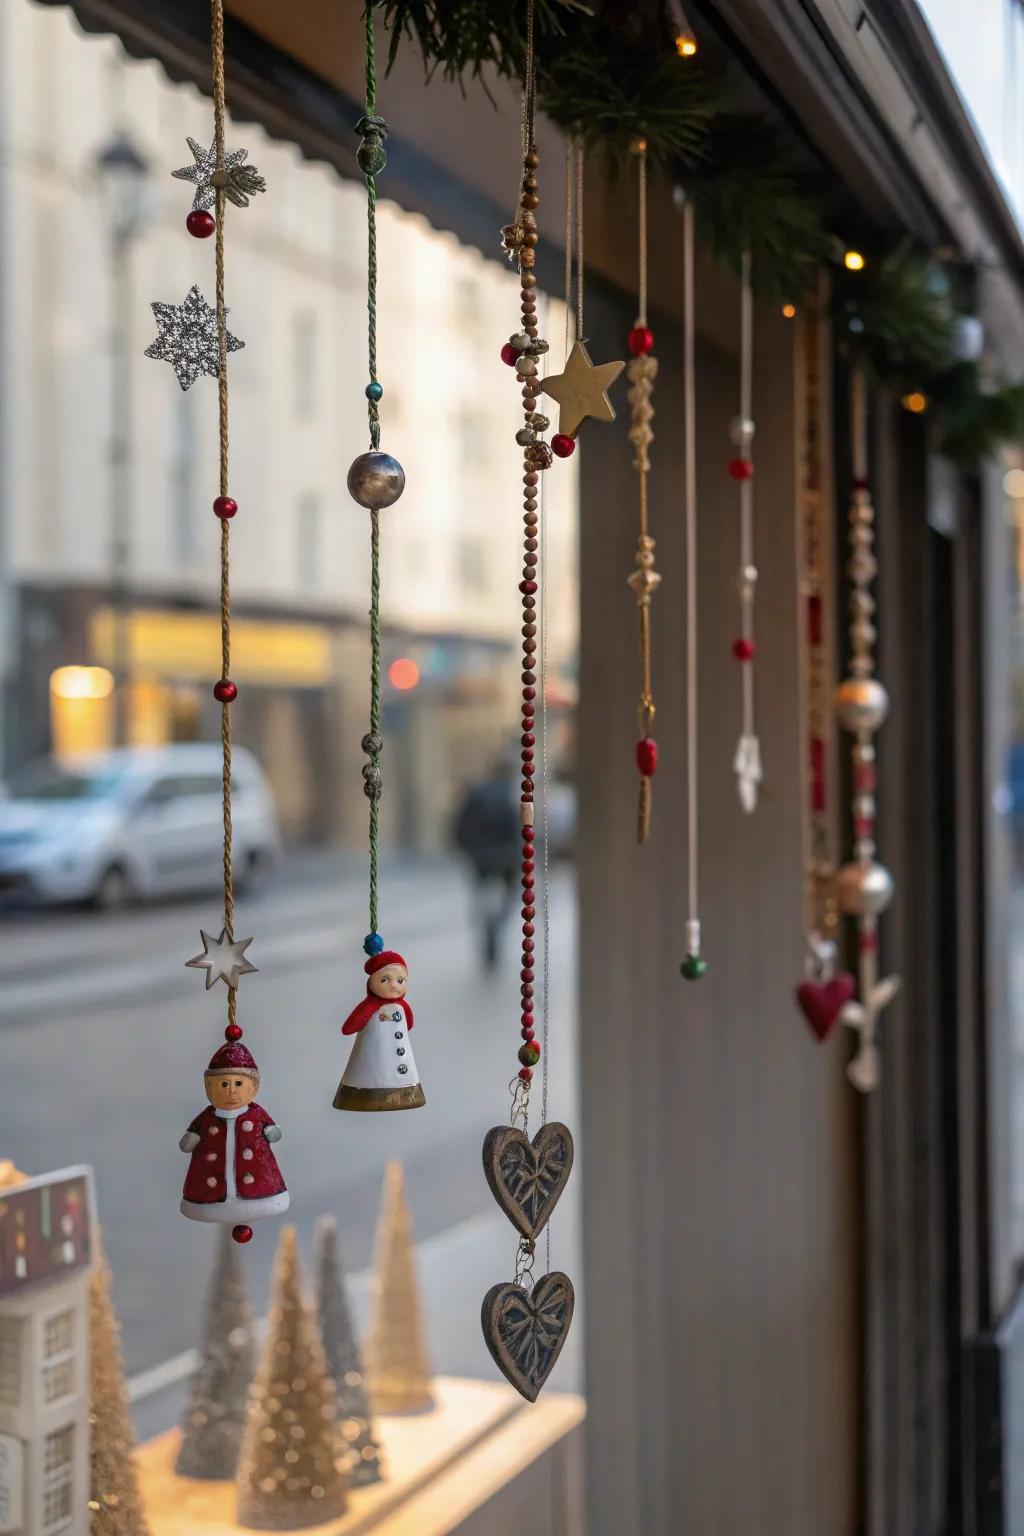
{"x":296,"y":289}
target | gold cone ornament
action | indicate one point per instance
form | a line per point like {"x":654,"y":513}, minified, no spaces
{"x":291,"y":1467}
{"x":396,"y":1356}
{"x":115,"y":1507}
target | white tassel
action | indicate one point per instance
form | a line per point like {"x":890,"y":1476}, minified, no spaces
{"x":747,"y":767}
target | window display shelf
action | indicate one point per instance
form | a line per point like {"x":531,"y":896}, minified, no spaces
{"x":467,"y":1468}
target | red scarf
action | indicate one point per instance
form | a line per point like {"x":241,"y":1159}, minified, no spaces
{"x":363,"y":1012}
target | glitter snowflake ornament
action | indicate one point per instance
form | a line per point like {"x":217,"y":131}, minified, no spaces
{"x":240,"y":181}
{"x":187,"y":338}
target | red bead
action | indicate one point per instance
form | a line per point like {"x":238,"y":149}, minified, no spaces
{"x":647,"y":756}
{"x":527,"y":587}
{"x":528,"y":740}
{"x":242,"y":1234}
{"x":528,"y":1034}
{"x":529,"y":913}
{"x":528,"y":834}
{"x":743,"y":649}
{"x":529,"y":1053}
{"x":225,"y":506}
{"x":527,"y":1021}
{"x":741,"y":469}
{"x":562,"y":445}
{"x":200,"y":224}
{"x":233,"y":1032}
{"x":640,"y":340}
{"x":509,"y":354}
{"x":225,"y":691}
{"x":525,"y":1075}
{"x":860,"y":484}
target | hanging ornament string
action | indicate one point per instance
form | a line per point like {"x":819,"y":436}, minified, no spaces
{"x":545,"y":783}
{"x":747,"y":761}
{"x":525,"y":1321}
{"x":865,"y":887}
{"x":233,"y":1176}
{"x":641,"y":371}
{"x":580,"y":390}
{"x":824,"y":991}
{"x":694,"y":965}
{"x":381,"y":1072}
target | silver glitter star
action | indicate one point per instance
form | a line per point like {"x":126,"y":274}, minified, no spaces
{"x":187,"y":338}
{"x":201,"y":173}
{"x":222,"y":959}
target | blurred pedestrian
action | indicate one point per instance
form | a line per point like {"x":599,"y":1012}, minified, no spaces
{"x":487,"y":832}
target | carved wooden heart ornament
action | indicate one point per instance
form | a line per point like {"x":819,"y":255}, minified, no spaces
{"x":524,"y":1332}
{"x":526,"y":1178}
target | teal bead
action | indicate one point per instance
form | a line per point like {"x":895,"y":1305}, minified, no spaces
{"x":374,"y":391}
{"x":693,"y":967}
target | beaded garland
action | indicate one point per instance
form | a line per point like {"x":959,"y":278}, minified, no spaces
{"x":513,"y":1318}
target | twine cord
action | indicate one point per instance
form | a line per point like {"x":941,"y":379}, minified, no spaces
{"x":690,"y":513}
{"x":219,"y":114}
{"x":373,"y":416}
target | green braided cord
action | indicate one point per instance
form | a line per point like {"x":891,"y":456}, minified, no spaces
{"x":371,"y":230}
{"x":374,"y":696}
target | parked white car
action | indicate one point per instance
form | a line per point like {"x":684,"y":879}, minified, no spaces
{"x":138,"y":822}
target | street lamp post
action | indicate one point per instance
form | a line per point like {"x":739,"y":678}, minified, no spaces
{"x":123,"y":180}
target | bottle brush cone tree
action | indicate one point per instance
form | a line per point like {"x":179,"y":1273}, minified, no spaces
{"x":214,"y":1419}
{"x":115,"y":1506}
{"x":344,"y":1362}
{"x":291,"y":1472}
{"x":396,"y":1354}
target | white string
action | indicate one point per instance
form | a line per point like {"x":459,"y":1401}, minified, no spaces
{"x":690,"y":483}
{"x":747,"y":767}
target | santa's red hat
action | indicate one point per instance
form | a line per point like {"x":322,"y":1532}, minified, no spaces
{"x":233,"y":1057}
{"x":386,"y":957}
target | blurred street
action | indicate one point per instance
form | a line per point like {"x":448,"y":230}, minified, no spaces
{"x":106,"y":1036}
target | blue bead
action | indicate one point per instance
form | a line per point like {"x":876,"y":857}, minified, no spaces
{"x":373,"y":944}
{"x":374,"y":391}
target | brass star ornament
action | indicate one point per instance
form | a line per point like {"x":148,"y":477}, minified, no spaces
{"x":582,"y":390}
{"x":223,"y":959}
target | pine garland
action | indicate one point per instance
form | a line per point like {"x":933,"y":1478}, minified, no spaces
{"x":609,"y":71}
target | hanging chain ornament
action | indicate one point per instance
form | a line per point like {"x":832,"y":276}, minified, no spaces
{"x":747,"y":761}
{"x":864,"y":887}
{"x":525,"y":1322}
{"x":641,"y":371}
{"x":825,"y":990}
{"x":694,"y":966}
{"x":381,"y":1071}
{"x":233,"y":1177}
{"x":581,"y":389}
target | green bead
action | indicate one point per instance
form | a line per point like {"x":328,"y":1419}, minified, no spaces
{"x":374,"y":391}
{"x":371,"y":157}
{"x":693,"y":967}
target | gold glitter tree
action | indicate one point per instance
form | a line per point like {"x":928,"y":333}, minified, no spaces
{"x":115,"y":1508}
{"x":211,"y":1429}
{"x":396,"y":1354}
{"x":341,"y":1352}
{"x":291,"y":1468}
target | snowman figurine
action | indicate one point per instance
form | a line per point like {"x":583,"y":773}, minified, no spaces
{"x":233,"y":1174}
{"x":381,"y":1071}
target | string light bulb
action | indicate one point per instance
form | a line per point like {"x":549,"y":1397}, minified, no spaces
{"x":683,"y":35}
{"x":853,"y":261}
{"x":789,"y":311}
{"x":915,"y":402}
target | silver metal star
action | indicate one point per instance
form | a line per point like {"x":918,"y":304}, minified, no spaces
{"x":201,"y":173}
{"x":222,"y":959}
{"x":187,"y":338}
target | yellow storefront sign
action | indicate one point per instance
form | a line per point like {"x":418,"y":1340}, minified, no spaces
{"x":185,"y":647}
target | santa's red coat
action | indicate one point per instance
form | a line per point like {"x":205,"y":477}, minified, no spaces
{"x":256,"y":1172}
{"x":363,"y":1012}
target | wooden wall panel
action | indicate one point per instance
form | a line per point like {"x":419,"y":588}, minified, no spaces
{"x":718,"y":1140}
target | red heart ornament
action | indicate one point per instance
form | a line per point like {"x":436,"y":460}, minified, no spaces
{"x":821,"y":1002}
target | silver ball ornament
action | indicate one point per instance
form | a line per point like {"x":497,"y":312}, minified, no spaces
{"x":376,"y":480}
{"x":864,"y":889}
{"x":861,"y":704}
{"x":741,"y":431}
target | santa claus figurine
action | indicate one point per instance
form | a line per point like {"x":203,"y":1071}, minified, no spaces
{"x":381,"y":1072}
{"x":233,"y":1176}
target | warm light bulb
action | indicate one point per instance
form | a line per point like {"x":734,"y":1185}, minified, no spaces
{"x":81,"y":683}
{"x":404,"y":673}
{"x":915,"y":402}
{"x":789,"y":310}
{"x":853,"y":261}
{"x":1013,"y":483}
{"x":686,"y":45}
